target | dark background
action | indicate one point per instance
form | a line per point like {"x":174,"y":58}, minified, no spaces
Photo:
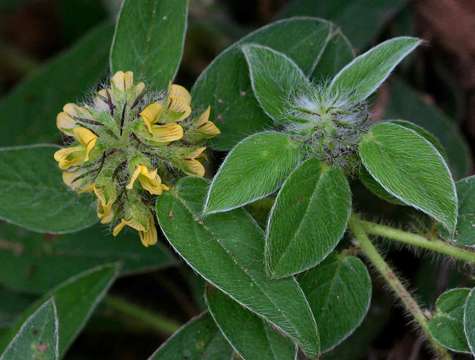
{"x":442,"y":72}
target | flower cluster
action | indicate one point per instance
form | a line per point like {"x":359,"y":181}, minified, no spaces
{"x":128,"y":146}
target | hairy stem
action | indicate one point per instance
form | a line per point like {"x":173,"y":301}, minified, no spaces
{"x":416,"y":240}
{"x":373,"y":255}
{"x":161,"y":324}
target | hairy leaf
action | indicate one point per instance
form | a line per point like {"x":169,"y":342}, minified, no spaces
{"x":252,"y":337}
{"x":149,"y":40}
{"x":410,"y":168}
{"x":33,"y":195}
{"x":339,"y":292}
{"x":199,"y":339}
{"x":363,"y":76}
{"x":255,"y":168}
{"x":308,"y":219}
{"x":227,"y":250}
{"x":275,"y":79}
{"x":465,"y":232}
{"x":37,"y":338}
{"x":446,"y":326}
{"x":469,"y":320}
{"x":225,"y":83}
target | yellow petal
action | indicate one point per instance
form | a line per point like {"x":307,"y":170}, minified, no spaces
{"x":86,"y":138}
{"x":151,"y":115}
{"x":151,"y":182}
{"x":134,"y":177}
{"x":118,"y":228}
{"x":179,"y":101}
{"x":69,"y":156}
{"x":65,"y":123}
{"x":209,"y":129}
{"x":100,"y":102}
{"x":149,"y":237}
{"x":196,"y":153}
{"x":69,"y":178}
{"x":167,"y":133}
{"x":194,"y":167}
{"x":203,"y":118}
{"x":74,"y":110}
{"x":123,"y":81}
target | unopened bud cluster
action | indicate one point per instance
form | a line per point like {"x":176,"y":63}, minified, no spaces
{"x":329,"y":124}
{"x":128,"y":145}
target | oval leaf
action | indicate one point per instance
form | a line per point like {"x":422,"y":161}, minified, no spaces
{"x":235,"y":109}
{"x":198,"y":339}
{"x":227,"y":250}
{"x":446,"y":326}
{"x":469,"y":320}
{"x":34,"y":196}
{"x":254,"y":169}
{"x":465,"y":232}
{"x":37,"y":337}
{"x":61,"y":257}
{"x":252,"y":337}
{"x":275,"y":78}
{"x":363,"y":76}
{"x":75,"y":299}
{"x":410,"y":168}
{"x":308,"y":219}
{"x":149,"y":39}
{"x":339,"y":292}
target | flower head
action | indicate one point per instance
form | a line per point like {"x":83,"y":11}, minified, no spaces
{"x":128,"y":145}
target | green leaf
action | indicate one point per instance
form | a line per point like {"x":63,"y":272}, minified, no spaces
{"x":149,"y":39}
{"x":337,"y":54}
{"x":75,"y":301}
{"x":227,"y":250}
{"x":33,"y":195}
{"x":308,"y":219}
{"x":38,"y":336}
{"x":252,"y":337}
{"x":410,"y":168}
{"x":35,"y":263}
{"x":363,"y":76}
{"x":226,"y":87}
{"x":406,"y":103}
{"x":199,"y":339}
{"x":275,"y":78}
{"x":469,"y":320}
{"x":424,"y":133}
{"x":339,"y":293}
{"x":361,"y":20}
{"x":372,"y":185}
{"x":27,"y":113}
{"x":446,"y":326}
{"x":254,"y":169}
{"x":465,"y":232}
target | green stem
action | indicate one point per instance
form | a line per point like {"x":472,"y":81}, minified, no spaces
{"x":153,"y":320}
{"x":409,"y":238}
{"x":370,"y":251}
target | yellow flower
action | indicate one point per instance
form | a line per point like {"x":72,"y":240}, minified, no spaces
{"x":179,"y":103}
{"x":123,"y":82}
{"x":74,"y":182}
{"x":191,"y":166}
{"x":151,"y":115}
{"x":149,"y":180}
{"x":148,"y":234}
{"x":167,"y":133}
{"x":65,"y":120}
{"x":104,"y":206}
{"x":76,"y":155}
{"x":205,"y":127}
